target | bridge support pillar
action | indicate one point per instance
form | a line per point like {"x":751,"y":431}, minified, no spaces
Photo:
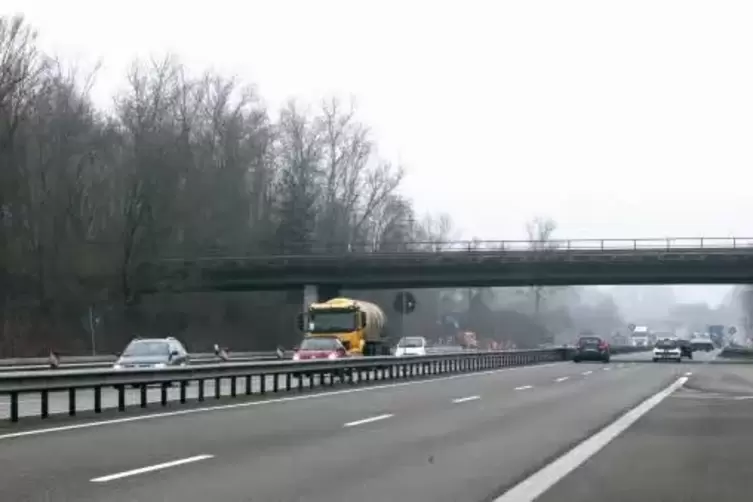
{"x":319,"y":293}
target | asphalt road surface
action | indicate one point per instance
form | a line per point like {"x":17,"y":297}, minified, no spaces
{"x":472,"y":437}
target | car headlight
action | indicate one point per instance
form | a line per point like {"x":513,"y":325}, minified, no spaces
{"x":117,"y":366}
{"x":160,"y":365}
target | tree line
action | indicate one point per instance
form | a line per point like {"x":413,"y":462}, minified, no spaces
{"x":184,"y":164}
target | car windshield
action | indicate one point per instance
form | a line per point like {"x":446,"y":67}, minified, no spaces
{"x":144,"y":348}
{"x":332,"y":322}
{"x":411,"y":342}
{"x":666,"y":344}
{"x":320,"y":344}
{"x":589,"y":340}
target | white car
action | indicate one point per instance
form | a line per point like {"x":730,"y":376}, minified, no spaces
{"x":411,"y":346}
{"x":665,"y":350}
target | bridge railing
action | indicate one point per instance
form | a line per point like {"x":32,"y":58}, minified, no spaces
{"x":287,"y":375}
{"x":610,"y":244}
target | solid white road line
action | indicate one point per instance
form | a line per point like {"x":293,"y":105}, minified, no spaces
{"x":562,"y":379}
{"x":465,"y":399}
{"x":606,"y":369}
{"x":206,"y":409}
{"x":151,"y":468}
{"x":369,"y":420}
{"x":541,"y":481}
{"x":524,"y":387}
{"x":586,"y":373}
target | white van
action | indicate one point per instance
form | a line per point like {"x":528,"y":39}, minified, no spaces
{"x":411,"y":346}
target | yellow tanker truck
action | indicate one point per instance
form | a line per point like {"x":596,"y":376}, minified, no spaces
{"x":359,"y":325}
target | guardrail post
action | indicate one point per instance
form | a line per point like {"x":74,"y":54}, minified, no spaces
{"x":143,"y":390}
{"x":217,"y":388}
{"x":275,"y":382}
{"x":45,"y":404}
{"x":248,"y":385}
{"x":163,"y":393}
{"x":200,"y":383}
{"x":233,"y":386}
{"x":183,"y":385}
{"x":97,"y":399}
{"x":287,"y":382}
{"x":121,"y":397}
{"x":14,"y":406}
{"x":262,"y":384}
{"x":71,"y":402}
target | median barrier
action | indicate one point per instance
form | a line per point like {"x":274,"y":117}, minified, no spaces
{"x":286,"y":375}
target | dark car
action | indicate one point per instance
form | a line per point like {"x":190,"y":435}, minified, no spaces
{"x":591,"y":348}
{"x":154,"y":353}
{"x":686,"y":348}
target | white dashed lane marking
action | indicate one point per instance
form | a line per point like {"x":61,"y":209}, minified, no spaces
{"x":368,"y":420}
{"x":150,"y":468}
{"x":466,"y":399}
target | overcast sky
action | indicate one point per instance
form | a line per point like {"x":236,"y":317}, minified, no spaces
{"x":616,"y":118}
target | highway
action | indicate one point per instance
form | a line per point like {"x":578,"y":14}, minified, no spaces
{"x":470,"y":437}
{"x":58,"y":401}
{"x":29,"y":405}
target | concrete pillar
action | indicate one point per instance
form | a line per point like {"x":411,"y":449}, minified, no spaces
{"x":327,"y":291}
{"x":313,"y":293}
{"x":310,"y":295}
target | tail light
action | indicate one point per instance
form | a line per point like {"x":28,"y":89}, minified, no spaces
{"x":296,"y":356}
{"x":603,"y":346}
{"x":333,"y":355}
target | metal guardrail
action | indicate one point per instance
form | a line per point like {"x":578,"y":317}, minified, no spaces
{"x":351,"y":370}
{"x":611,"y":244}
{"x":105,"y":361}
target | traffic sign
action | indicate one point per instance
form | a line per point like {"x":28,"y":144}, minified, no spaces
{"x":405,"y":302}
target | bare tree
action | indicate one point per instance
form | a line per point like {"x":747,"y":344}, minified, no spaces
{"x":540,"y":231}
{"x":186,"y":164}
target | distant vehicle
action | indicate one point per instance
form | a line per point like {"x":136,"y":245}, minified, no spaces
{"x":591,"y":348}
{"x":667,"y":349}
{"x":704,"y":344}
{"x":320,"y":347}
{"x":411,"y":346}
{"x":155,"y":353}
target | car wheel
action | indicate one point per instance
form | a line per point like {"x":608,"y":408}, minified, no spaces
{"x":679,"y":359}
{"x":576,"y":360}
{"x":656,"y":359}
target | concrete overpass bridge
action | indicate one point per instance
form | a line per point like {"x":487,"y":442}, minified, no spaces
{"x":322,"y":273}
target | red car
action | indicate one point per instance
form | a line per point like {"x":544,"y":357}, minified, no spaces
{"x":320,"y":348}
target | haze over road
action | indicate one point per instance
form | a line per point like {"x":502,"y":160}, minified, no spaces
{"x":463,"y":438}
